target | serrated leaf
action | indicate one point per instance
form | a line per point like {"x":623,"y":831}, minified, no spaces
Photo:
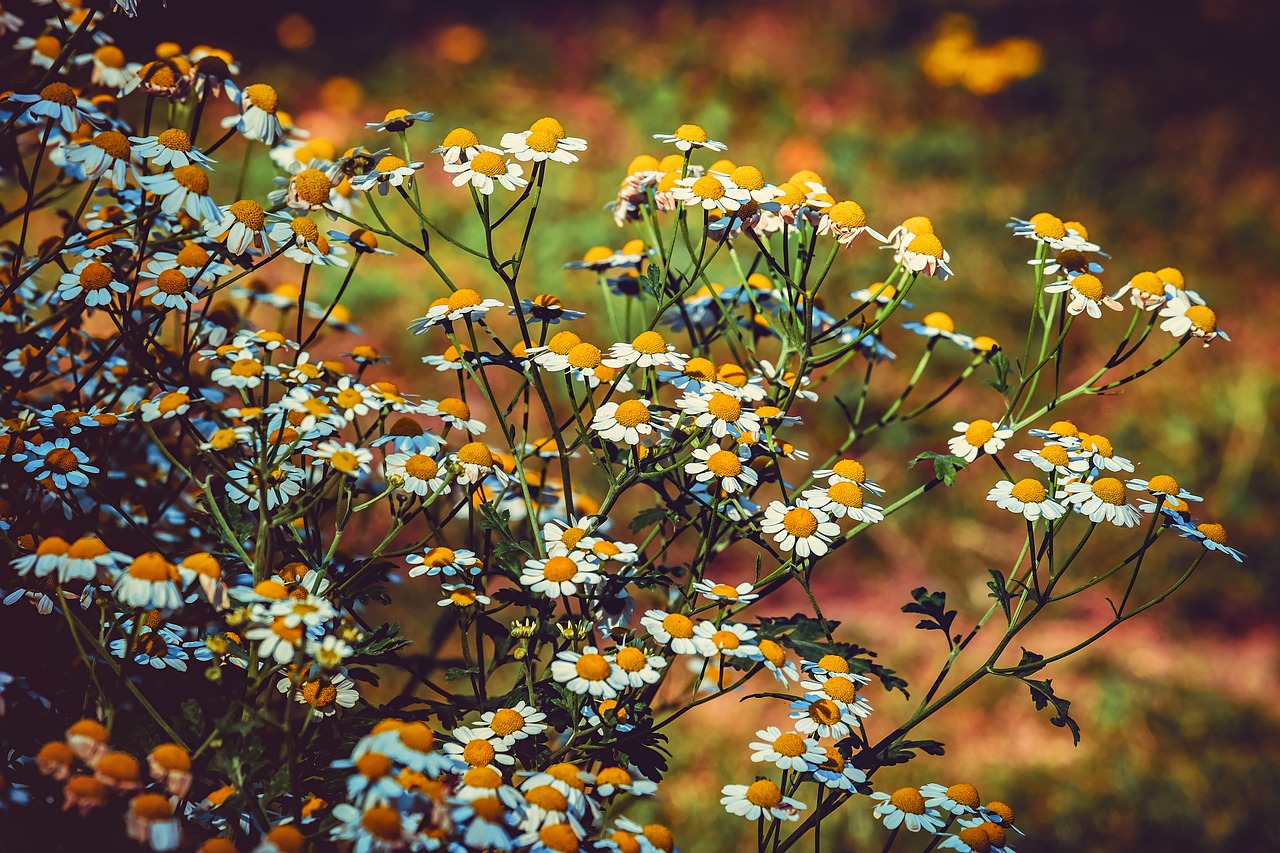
{"x":1000,"y":364}
{"x":646,"y":517}
{"x":453,"y":673}
{"x":932,"y":606}
{"x":1043,"y":696}
{"x":945,"y":465}
{"x":1000,"y":592}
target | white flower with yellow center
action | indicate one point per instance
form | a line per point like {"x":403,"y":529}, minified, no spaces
{"x":674,"y":630}
{"x":787,"y":750}
{"x":171,"y":289}
{"x":352,"y":399}
{"x":343,"y":457}
{"x":588,"y":672}
{"x":976,"y":437}
{"x":633,"y":668}
{"x":562,"y":536}
{"x":324,"y":695}
{"x":559,"y":575}
{"x":732,"y":639}
{"x":454,"y":412}
{"x":647,"y":349}
{"x":462,"y":595}
{"x":305,"y":243}
{"x":485,"y":169}
{"x":244,"y":371}
{"x":1211,"y":535}
{"x":925,"y":254}
{"x":1028,"y":497}
{"x":108,"y":155}
{"x":1086,"y":294}
{"x":473,"y":748}
{"x":544,"y":140}
{"x":905,"y":807}
{"x":747,"y":183}
{"x":186,"y":188}
{"x":1162,"y":485}
{"x":171,"y":148}
{"x":823,"y":716}
{"x":171,"y":404}
{"x":723,"y":413}
{"x":843,"y":498}
{"x":257,"y":118}
{"x":473,"y":462}
{"x":1052,"y":458}
{"x":241,"y":225}
{"x":688,"y":137}
{"x":389,"y":171}
{"x":554,"y":355}
{"x":1145,"y":290}
{"x":1101,"y":500}
{"x":149,"y":581}
{"x":461,"y":144}
{"x":725,"y":468}
{"x":959,"y":799}
{"x":94,"y":280}
{"x":724,"y":593}
{"x":1096,"y":451}
{"x":628,"y":422}
{"x":837,"y":772}
{"x":845,"y":220}
{"x":799,"y":528}
{"x":851,"y":471}
{"x":901,"y":236}
{"x":512,"y":723}
{"x":762,"y":798}
{"x":774,"y":658}
{"x":443,"y":561}
{"x":1187,"y":318}
{"x":709,"y":192}
{"x":843,"y":688}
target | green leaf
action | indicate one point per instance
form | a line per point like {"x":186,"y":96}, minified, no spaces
{"x":382,"y":641}
{"x":647,"y":517}
{"x":1000,"y":592}
{"x":945,"y":465}
{"x":1000,"y":364}
{"x":453,"y":673}
{"x":1043,"y":696}
{"x":653,"y":283}
{"x":933,"y":607}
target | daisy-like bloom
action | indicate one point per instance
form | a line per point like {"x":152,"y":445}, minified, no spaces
{"x":399,"y":120}
{"x":283,"y":481}
{"x":971,"y":839}
{"x":462,"y":144}
{"x":1028,"y":497}
{"x":939,"y":325}
{"x":674,"y":630}
{"x":732,"y":639}
{"x":843,"y":688}
{"x":462,"y":595}
{"x":976,"y":437}
{"x":241,"y":225}
{"x":149,"y":581}
{"x":443,"y":561}
{"x":107,"y":155}
{"x":1211,"y":535}
{"x":512,"y":724}
{"x":925,"y":254}
{"x":561,"y":536}
{"x":325,"y":696}
{"x":588,"y":673}
{"x":420,"y":474}
{"x":959,"y":799}
{"x":1070,"y":262}
{"x":1086,"y":294}
{"x":94,"y":280}
{"x":1052,"y":458}
{"x":905,"y":807}
{"x":1096,"y":451}
{"x":63,"y":464}
{"x":544,"y":140}
{"x":546,"y":308}
{"x":721,"y":412}
{"x":343,"y":457}
{"x":306,"y":244}
{"x":170,"y":765}
{"x":150,"y":820}
{"x":724,"y":467}
{"x":774,"y":658}
{"x":257,"y":118}
{"x":710,"y":192}
{"x":186,"y":188}
{"x":1059,"y":235}
{"x":57,"y":103}
{"x":836,"y":771}
{"x":629,"y":421}
{"x":311,"y":189}
{"x":559,"y":575}
{"x":747,"y":184}
{"x":554,"y":356}
{"x":822,"y":715}
{"x":471,"y":748}
{"x":171,"y":289}
{"x":454,"y":412}
{"x":171,"y":404}
{"x":762,"y":798}
{"x":799,"y":528}
{"x":390,"y":171}
{"x":843,"y":498}
{"x":690,"y":136}
{"x":375,"y":829}
{"x":245,"y":371}
{"x":1162,"y":485}
{"x":1101,"y":500}
{"x":845,"y":220}
{"x":725,"y":594}
{"x":484,"y":169}
{"x":787,"y":750}
{"x":352,"y":399}
{"x":648,"y":349}
{"x":633,"y":668}
{"x":1187,"y":318}
{"x":171,"y":148}
{"x":850,"y":471}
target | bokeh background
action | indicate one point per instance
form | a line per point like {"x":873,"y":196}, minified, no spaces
{"x":1155,"y":124}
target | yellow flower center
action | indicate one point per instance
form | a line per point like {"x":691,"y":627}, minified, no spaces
{"x":559,"y":569}
{"x":790,"y":744}
{"x":460,"y":137}
{"x":678,"y":625}
{"x":724,"y":407}
{"x":562,"y":342}
{"x":1088,"y":285}
{"x":542,"y":141}
{"x":1098,"y":444}
{"x":192,"y":255}
{"x":764,"y":794}
{"x":908,"y":800}
{"x":964,"y":794}
{"x":305,"y":228}
{"x":724,"y":463}
{"x":559,"y":837}
{"x":1110,"y":490}
{"x":152,"y":567}
{"x":939,"y":320}
{"x":1148,"y":283}
{"x":631,"y":659}
{"x":312,"y":186}
{"x":464,"y":597}
{"x":1049,"y":226}
{"x":748,"y":177}
{"x":584,"y":356}
{"x":263,"y":97}
{"x":726,"y":640}
{"x":488,"y":163}
{"x":172,"y":282}
{"x":846,"y":493}
{"x":1163,"y":483}
{"x":475,"y":453}
{"x":848,"y":214}
{"x":382,"y":822}
{"x":345,"y":461}
{"x":691,"y":133}
{"x":1172,"y":276}
{"x":979,"y":432}
{"x":1203,"y":318}
{"x":196,"y":180}
{"x":246,"y":367}
{"x":632,"y":413}
{"x":773,"y":652}
{"x":550,"y":126}
{"x":1029,"y":491}
{"x":173,"y":401}
{"x":59,"y":93}
{"x":464,"y":297}
{"x":976,"y":838}
{"x":660,"y":836}
{"x":95,"y":276}
{"x":249,"y":213}
{"x":1214,"y":532}
{"x":841,"y":689}
{"x":800,"y":522}
{"x":615,"y":776}
{"x":114,"y":143}
{"x":506,"y":722}
{"x":643,"y":163}
{"x":926,"y":244}
{"x":592,"y":667}
{"x":708,"y":186}
{"x":1055,"y":454}
{"x":454,"y":407}
{"x":834,"y":663}
{"x":319,"y":695}
{"x":478,"y":753}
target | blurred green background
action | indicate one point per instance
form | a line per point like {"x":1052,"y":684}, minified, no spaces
{"x":1155,"y":124}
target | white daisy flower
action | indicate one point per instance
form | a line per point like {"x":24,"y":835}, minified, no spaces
{"x":925,"y":254}
{"x":352,"y":399}
{"x":94,"y":280}
{"x":905,"y":807}
{"x":559,"y":576}
{"x":150,"y":582}
{"x":724,"y":593}
{"x":1146,"y":291}
{"x":976,"y":437}
{"x":107,"y":155}
{"x":342,"y":456}
{"x":443,"y":561}
{"x":1187,"y":318}
{"x":849,"y":470}
{"x":588,"y":673}
{"x":648,"y":349}
{"x":461,"y":595}
{"x":710,"y":192}
{"x":799,"y":528}
{"x":731,"y":639}
{"x":1028,"y":497}
{"x":774,"y":658}
{"x":787,"y":750}
{"x":461,"y":144}
{"x":633,"y":668}
{"x":454,"y":412}
{"x":1051,"y":458}
{"x":324,"y":695}
{"x":63,"y":464}
{"x":959,"y":799}
{"x":761,"y":798}
{"x":674,"y":630}
{"x":169,"y":149}
{"x":1101,"y":500}
{"x":1086,"y":294}
{"x":721,"y":412}
{"x":843,"y":688}
{"x":1211,"y":535}
{"x":1096,"y":451}
{"x":186,"y":188}
{"x":1163,"y":485}
{"x":554,"y":356}
{"x":484,"y":169}
{"x":241,"y":225}
{"x":389,"y":171}
{"x":257,"y":117}
{"x":843,"y":498}
{"x":690,"y":136}
{"x":823,"y":716}
{"x":244,"y":371}
{"x":724,"y":467}
{"x":629,"y":421}
{"x":845,"y":220}
{"x":513,"y":723}
{"x":472,"y":748}
{"x":544,"y":140}
{"x":171,"y":404}
{"x":837,"y":772}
